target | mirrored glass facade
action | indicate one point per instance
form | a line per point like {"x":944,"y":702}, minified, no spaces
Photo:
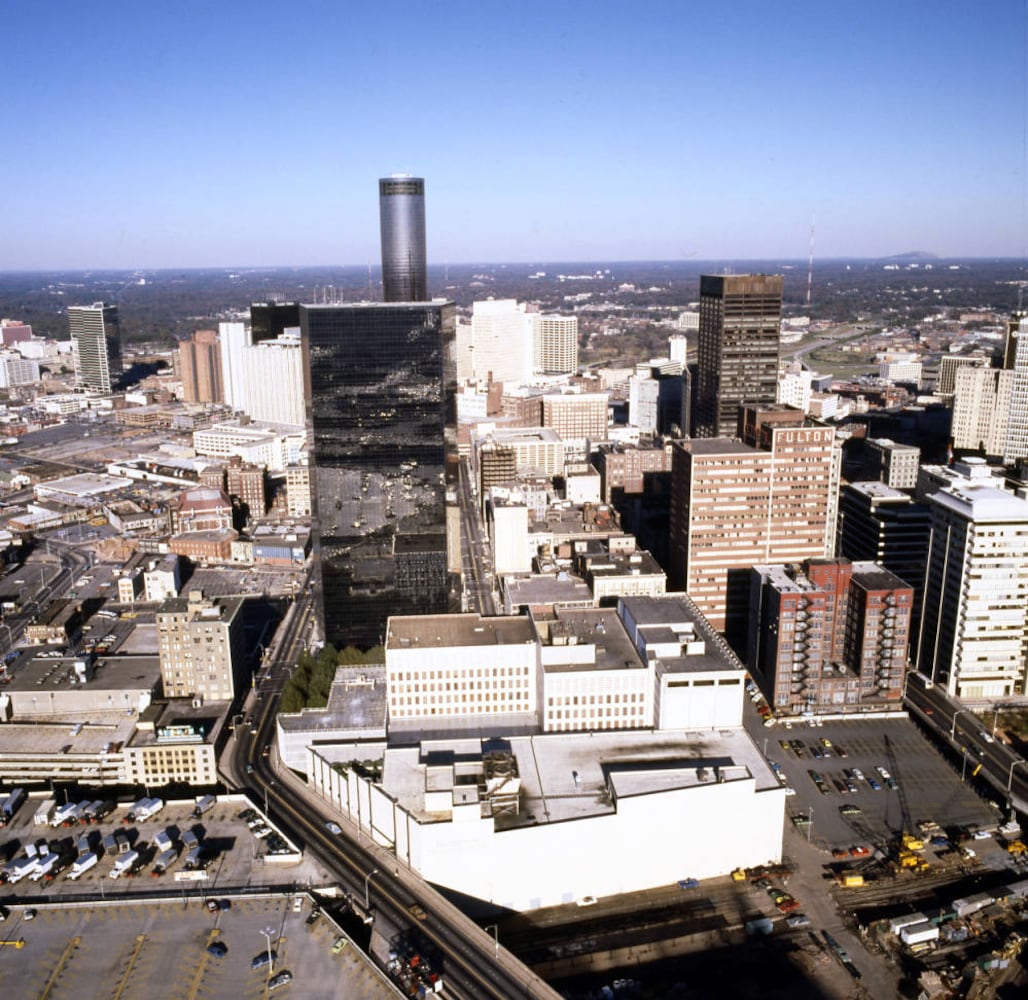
{"x":381,"y":416}
{"x":401,"y":202}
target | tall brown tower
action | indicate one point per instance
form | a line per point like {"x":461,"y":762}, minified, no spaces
{"x":738,"y":347}
{"x":200,"y":368}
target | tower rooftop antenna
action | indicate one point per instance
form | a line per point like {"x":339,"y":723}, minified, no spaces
{"x":810,"y":266}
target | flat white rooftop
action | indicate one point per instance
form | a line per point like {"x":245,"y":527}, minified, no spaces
{"x":567,"y":775}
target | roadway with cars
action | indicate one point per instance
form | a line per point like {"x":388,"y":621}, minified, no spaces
{"x":474,"y":966}
{"x":475,"y":557}
{"x":49,"y":586}
{"x":958,"y":727}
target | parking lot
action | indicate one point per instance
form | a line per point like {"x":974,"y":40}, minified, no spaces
{"x":145,"y":950}
{"x":118,"y":932}
{"x":835,"y":774}
{"x":239,"y":850}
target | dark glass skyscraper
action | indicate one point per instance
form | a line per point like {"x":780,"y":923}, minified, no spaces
{"x":268,"y":320}
{"x":401,"y":204}
{"x":738,"y":345}
{"x":381,"y":414}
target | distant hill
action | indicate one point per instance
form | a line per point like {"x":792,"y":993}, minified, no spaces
{"x":912,"y":256}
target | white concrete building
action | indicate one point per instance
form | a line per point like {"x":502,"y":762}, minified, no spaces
{"x":268,"y":381}
{"x":162,"y":578}
{"x":969,"y":471}
{"x":677,"y":345}
{"x":508,"y":536}
{"x":254,"y":445}
{"x":974,"y":631}
{"x":445,"y":672}
{"x":900,"y":367}
{"x":583,"y":487}
{"x":531,"y":821}
{"x":643,"y":399}
{"x":536,"y":449}
{"x":504,"y":798}
{"x":795,"y":387}
{"x":233,"y":339}
{"x":501,"y":341}
{"x":16,"y":370}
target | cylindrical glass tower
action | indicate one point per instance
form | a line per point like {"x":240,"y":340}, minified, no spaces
{"x":401,"y":200}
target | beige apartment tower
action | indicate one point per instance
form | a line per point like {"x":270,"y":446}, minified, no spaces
{"x":735,"y":506}
{"x":555,"y":341}
{"x":200,"y":644}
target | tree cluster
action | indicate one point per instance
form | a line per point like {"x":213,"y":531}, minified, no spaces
{"x":311,"y":681}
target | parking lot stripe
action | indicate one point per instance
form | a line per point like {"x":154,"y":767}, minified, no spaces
{"x":72,"y":945}
{"x":140,"y":938}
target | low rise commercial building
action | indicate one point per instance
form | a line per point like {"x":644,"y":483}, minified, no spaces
{"x":614,"y":723}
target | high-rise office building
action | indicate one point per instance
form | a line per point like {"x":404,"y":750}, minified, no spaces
{"x":97,"y":338}
{"x":401,"y":203}
{"x":382,"y":430}
{"x":1017,"y":424}
{"x":233,"y":338}
{"x":270,"y":320}
{"x":501,"y":341}
{"x":950,"y":364}
{"x":881,"y":524}
{"x":734,"y":506}
{"x":738,"y":348}
{"x":277,"y":363}
{"x":556,"y":344}
{"x":200,"y":367}
{"x":974,"y":634}
{"x":981,"y":408}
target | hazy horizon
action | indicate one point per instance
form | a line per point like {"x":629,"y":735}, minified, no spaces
{"x":691,"y":262}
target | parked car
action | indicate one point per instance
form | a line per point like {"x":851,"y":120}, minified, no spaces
{"x":280,"y":979}
{"x":262,"y":959}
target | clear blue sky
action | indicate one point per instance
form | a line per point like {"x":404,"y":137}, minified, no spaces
{"x":219,"y":132}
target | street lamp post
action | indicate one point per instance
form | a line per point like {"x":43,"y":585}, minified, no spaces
{"x":257,"y":669}
{"x":267,"y":932}
{"x":1010,"y":773}
{"x":367,"y":886}
{"x":953,"y":727}
{"x":496,"y":937}
{"x":810,"y":821}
